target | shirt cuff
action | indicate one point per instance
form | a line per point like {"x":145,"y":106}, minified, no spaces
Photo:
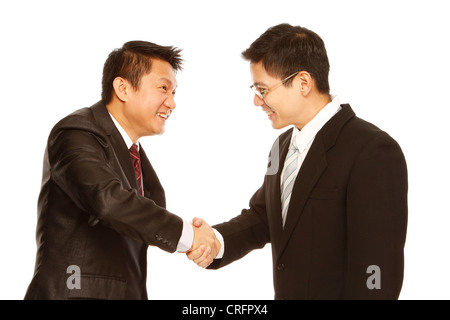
{"x":187,"y":237}
{"x":222,"y":244}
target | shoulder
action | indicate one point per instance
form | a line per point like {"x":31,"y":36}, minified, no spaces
{"x":79,"y":123}
{"x":79,"y":119}
{"x":362,"y":132}
{"x":350,"y":136}
{"x":371,"y":144}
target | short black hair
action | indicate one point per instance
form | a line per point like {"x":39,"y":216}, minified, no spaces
{"x":133,"y":61}
{"x":284,"y":49}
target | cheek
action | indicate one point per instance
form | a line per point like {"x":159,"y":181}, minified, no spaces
{"x":288,"y":107}
{"x":149,"y":106}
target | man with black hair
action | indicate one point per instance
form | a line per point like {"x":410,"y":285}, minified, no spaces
{"x":101,"y":203}
{"x":333,"y":203}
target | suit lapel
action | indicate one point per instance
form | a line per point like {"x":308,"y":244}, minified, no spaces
{"x":274,"y":188}
{"x":123,"y":154}
{"x":120,"y":149}
{"x":152,"y":186}
{"x":310,"y":172}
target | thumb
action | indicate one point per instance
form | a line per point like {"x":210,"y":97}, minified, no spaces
{"x":197,"y":222}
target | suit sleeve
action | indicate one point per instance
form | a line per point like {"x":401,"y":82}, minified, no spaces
{"x":376,"y":221}
{"x":79,"y":166}
{"x":244,"y":233}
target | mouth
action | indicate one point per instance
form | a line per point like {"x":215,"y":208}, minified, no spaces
{"x":163,"y":115}
{"x":269,"y":113}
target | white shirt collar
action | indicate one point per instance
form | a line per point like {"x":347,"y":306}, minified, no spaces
{"x":305,"y":136}
{"x":123,"y":133}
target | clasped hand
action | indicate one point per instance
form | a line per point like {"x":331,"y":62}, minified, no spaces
{"x":206,"y":246}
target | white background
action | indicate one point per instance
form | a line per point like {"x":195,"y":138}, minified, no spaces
{"x":389,"y":60}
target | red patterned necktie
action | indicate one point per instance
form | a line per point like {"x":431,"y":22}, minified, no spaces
{"x":137,"y":165}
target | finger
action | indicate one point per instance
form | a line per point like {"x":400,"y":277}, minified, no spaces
{"x":205,"y":262}
{"x":197,"y":222}
{"x":205,"y":256}
{"x":196,"y":254}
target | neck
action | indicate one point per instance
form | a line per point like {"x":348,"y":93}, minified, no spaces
{"x":115,"y":108}
{"x":313,"y":105}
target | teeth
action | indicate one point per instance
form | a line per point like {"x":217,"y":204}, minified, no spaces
{"x":163,"y":115}
{"x":269,"y":112}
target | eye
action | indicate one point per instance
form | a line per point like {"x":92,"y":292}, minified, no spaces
{"x":164,"y":87}
{"x":262,"y":91}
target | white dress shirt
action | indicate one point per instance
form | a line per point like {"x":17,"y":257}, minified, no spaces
{"x":187,"y":234}
{"x":305,"y":138}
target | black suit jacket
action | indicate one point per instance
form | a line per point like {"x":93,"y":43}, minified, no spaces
{"x":348,"y":212}
{"x":90,"y":214}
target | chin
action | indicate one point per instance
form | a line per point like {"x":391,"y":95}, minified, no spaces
{"x":154,"y":132}
{"x":160,"y":131}
{"x":277,"y":125}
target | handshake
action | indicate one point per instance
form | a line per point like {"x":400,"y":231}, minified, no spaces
{"x":206,"y":246}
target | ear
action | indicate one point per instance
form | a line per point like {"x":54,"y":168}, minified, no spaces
{"x":306,"y":82}
{"x":121,"y":87}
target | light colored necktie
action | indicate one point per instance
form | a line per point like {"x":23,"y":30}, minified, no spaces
{"x":290,"y":166}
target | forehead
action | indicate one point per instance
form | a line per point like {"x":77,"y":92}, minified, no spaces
{"x":162,"y":71}
{"x":260,"y":76}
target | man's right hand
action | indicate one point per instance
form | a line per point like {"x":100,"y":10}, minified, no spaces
{"x":206,"y":246}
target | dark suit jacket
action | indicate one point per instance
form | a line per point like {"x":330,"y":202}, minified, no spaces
{"x":348,"y":211}
{"x":91,"y":216}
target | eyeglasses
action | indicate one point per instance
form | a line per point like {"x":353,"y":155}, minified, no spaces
{"x":261,"y":92}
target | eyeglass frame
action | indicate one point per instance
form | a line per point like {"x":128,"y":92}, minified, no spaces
{"x":261,"y":95}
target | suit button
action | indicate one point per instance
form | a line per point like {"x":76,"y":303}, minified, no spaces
{"x":281,"y":267}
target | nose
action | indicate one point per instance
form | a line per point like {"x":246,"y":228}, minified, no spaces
{"x":257,"y":101}
{"x":170,"y":102}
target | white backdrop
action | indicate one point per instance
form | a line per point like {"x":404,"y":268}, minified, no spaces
{"x":389,"y":60}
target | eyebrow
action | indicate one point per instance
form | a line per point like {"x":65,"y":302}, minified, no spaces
{"x":260,"y":84}
{"x":169,"y":81}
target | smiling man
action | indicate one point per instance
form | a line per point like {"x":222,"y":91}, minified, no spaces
{"x":101,"y":203}
{"x":335,"y":212}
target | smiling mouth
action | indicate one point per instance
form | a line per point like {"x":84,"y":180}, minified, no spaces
{"x":165,"y":116}
{"x":269,"y":112}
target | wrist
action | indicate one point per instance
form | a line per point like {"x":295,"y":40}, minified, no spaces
{"x":186,"y":241}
